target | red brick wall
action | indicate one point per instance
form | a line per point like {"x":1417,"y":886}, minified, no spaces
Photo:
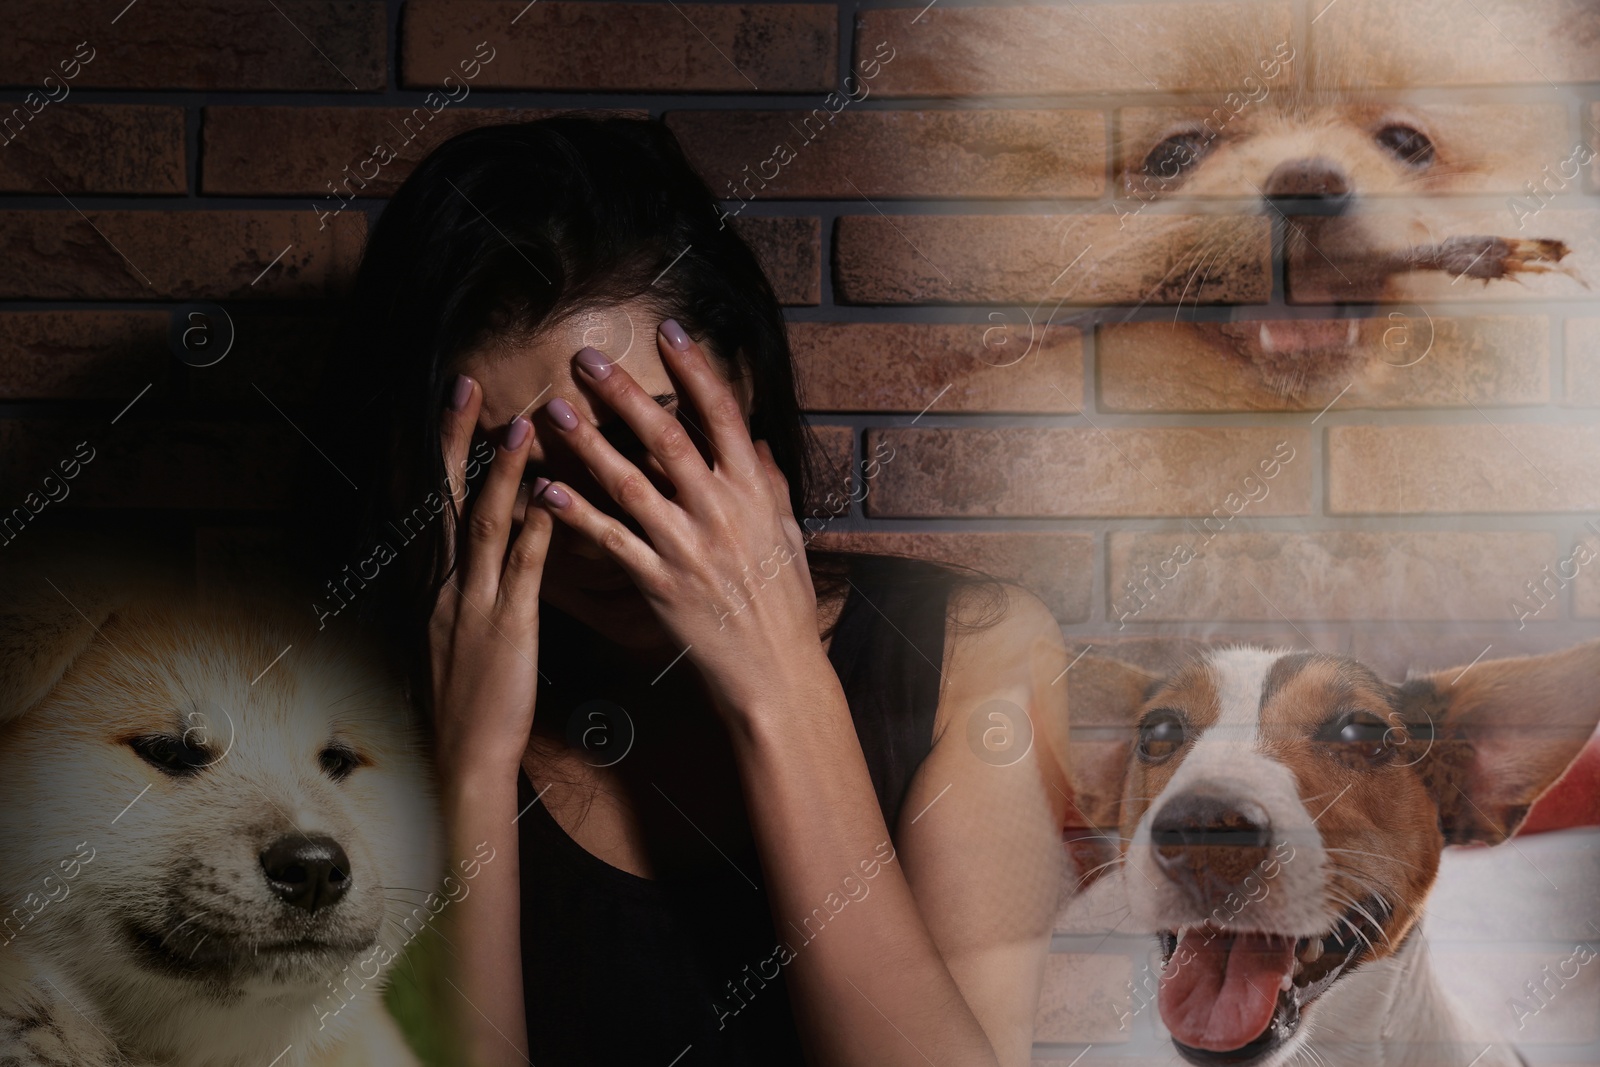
{"x":912,"y":239}
{"x":971,"y":181}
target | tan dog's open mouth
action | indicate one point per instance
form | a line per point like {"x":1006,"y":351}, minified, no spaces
{"x":1300,"y":351}
{"x":1310,"y":347}
{"x":1235,"y":998}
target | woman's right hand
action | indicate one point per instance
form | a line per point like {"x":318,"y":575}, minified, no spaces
{"x":483,"y":637}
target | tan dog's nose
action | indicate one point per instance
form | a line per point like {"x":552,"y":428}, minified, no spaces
{"x":1315,"y":178}
{"x":1209,"y":844}
{"x":307,"y":872}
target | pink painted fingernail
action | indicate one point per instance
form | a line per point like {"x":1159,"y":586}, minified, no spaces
{"x":562,"y":412}
{"x":537,"y":487}
{"x":461,"y":393}
{"x":555,"y":496}
{"x":675,"y":335}
{"x":517,"y":433}
{"x":594,"y":363}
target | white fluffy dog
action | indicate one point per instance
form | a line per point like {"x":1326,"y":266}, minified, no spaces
{"x":213,"y":844}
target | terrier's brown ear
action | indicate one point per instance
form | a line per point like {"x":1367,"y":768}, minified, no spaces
{"x":1504,"y":732}
{"x":1103,"y":700}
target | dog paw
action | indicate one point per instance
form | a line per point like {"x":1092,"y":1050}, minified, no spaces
{"x":35,"y":1035}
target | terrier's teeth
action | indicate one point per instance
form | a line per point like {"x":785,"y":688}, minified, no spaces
{"x":1350,"y":333}
{"x":1286,"y":983}
{"x":1313,"y":950}
{"x":1266,"y":340}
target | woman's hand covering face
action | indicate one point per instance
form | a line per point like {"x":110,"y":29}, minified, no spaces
{"x":721,"y":561}
{"x":483,"y":635}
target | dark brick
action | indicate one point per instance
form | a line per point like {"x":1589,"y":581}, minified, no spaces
{"x":790,"y":251}
{"x":1038,"y":473}
{"x":830,"y":470}
{"x":616,"y":47}
{"x":324,"y":45}
{"x":135,"y":464}
{"x":284,"y":356}
{"x":1029,"y":259}
{"x":298,"y":151}
{"x":81,"y":355}
{"x":105,"y":149}
{"x":1057,"y":567}
{"x":912,"y":367}
{"x":177,"y":255}
{"x":991,"y":153}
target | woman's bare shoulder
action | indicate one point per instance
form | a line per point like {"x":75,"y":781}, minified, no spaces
{"x":1004,"y":645}
{"x":995,"y":623}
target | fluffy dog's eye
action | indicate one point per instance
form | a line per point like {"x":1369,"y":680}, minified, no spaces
{"x":1169,"y":158}
{"x":1358,"y":733}
{"x":1410,"y":145}
{"x":338,"y":762}
{"x":1160,"y":735}
{"x":179,"y":757}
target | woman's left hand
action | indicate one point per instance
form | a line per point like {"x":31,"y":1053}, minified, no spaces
{"x":724,"y":565}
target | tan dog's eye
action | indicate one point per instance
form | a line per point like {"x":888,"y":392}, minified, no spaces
{"x":339,"y":762}
{"x":177,"y":757}
{"x":1160,"y":735}
{"x":1169,"y":158}
{"x":1408,"y":144}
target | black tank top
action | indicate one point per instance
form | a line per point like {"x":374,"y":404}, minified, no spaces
{"x":624,"y":970}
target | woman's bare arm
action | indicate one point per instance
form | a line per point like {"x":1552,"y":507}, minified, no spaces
{"x":483,"y":929}
{"x":483,"y":646}
{"x":935,"y":956}
{"x":985,"y":860}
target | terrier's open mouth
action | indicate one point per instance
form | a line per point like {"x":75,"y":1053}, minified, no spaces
{"x":1236,"y":998}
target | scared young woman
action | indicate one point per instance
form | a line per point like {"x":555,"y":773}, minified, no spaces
{"x":749,"y":803}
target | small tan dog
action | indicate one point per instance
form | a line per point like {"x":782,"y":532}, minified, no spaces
{"x":214,"y":844}
{"x":1359,"y":181}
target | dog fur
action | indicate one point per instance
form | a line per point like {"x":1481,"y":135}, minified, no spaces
{"x":1392,"y":203}
{"x":139,"y":926}
{"x":1355,"y":829}
{"x":1360,"y":179}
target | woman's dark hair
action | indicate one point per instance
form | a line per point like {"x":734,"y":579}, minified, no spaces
{"x":503,"y":231}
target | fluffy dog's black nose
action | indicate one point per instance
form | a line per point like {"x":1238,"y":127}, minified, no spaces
{"x":307,"y":872}
{"x":1207,"y":843}
{"x":1314,"y":179}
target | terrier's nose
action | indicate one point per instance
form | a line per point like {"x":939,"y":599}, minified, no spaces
{"x":307,"y":872}
{"x":1315,"y":179}
{"x":1208,"y":844}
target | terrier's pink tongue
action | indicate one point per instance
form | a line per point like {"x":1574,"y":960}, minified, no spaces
{"x":1219,"y":994}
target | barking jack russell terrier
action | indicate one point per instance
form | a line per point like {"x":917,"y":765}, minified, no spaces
{"x":1280,"y":818}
